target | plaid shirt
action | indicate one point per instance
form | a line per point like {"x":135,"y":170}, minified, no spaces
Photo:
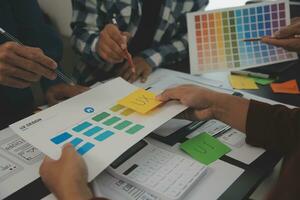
{"x":169,"y":44}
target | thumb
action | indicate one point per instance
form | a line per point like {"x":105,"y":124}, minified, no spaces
{"x":145,"y":75}
{"x":127,"y":35}
{"x":67,"y":151}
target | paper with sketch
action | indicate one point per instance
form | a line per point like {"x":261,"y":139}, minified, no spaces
{"x":93,"y":125}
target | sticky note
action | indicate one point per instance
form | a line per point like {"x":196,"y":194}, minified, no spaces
{"x":242,"y":82}
{"x":205,"y":148}
{"x":263,"y":81}
{"x":288,"y":87}
{"x":141,"y":101}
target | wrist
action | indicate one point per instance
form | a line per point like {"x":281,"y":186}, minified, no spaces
{"x":218,"y":105}
{"x":78,"y":192}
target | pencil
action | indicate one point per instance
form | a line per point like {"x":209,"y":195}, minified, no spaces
{"x":126,"y":52}
{"x":59,"y":73}
{"x":259,"y":39}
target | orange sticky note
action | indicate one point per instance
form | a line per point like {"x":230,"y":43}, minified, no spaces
{"x":141,"y":101}
{"x":288,"y":87}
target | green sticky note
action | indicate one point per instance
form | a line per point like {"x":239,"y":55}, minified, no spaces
{"x":205,"y":148}
{"x":263,"y":81}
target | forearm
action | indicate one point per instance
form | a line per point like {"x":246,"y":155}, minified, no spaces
{"x":231,"y":109}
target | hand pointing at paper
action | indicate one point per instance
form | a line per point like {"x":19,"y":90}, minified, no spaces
{"x":287,"y":38}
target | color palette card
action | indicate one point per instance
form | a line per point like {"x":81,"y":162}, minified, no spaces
{"x":216,"y":37}
{"x":98,"y":128}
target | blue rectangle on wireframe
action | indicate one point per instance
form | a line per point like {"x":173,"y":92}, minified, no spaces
{"x":249,"y":49}
{"x":257,"y":55}
{"x":82,"y":126}
{"x":268,"y":32}
{"x":76,"y":141}
{"x":256,"y":48}
{"x":240,"y":35}
{"x":92,"y":131}
{"x":61,"y":138}
{"x":260,"y":26}
{"x":253,"y":27}
{"x":245,"y":12}
{"x":85,"y":148}
{"x":253,"y":19}
{"x":265,"y":54}
{"x":252,"y":11}
{"x":260,"y":18}
{"x":254,"y":34}
{"x":104,"y":136}
{"x":266,"y":59}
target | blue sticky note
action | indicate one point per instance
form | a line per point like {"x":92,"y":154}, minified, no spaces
{"x":259,"y":10}
{"x":61,"y":138}
{"x":267,"y":17}
{"x":104,"y":136}
{"x":85,"y":148}
{"x":268,"y":25}
{"x":245,"y":12}
{"x":82,"y":126}
{"x":246,"y":20}
{"x":260,"y":18}
{"x":252,"y":11}
{"x":246,"y":27}
{"x":238,"y":13}
{"x":253,"y":19}
{"x":266,"y":8}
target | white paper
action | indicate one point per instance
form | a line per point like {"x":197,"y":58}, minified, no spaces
{"x":171,"y":127}
{"x":211,"y":127}
{"x":19,"y":163}
{"x":41,"y":127}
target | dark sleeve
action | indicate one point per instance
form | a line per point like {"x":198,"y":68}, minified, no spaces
{"x":273,"y":127}
{"x":34,"y":31}
{"x":287,"y":186}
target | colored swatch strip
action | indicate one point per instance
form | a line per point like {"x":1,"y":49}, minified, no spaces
{"x":220,"y":35}
{"x":63,"y":137}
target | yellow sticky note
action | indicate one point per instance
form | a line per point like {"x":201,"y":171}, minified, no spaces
{"x":242,"y":82}
{"x":141,"y":101}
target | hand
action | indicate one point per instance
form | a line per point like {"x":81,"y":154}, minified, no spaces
{"x":111,"y":44}
{"x":60,"y":92}
{"x":285,"y":37}
{"x":66,"y":178}
{"x":198,"y":98}
{"x":206,"y":104}
{"x":20,"y":66}
{"x":142,"y":71}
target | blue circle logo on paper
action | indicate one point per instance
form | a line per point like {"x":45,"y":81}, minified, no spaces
{"x":89,"y":110}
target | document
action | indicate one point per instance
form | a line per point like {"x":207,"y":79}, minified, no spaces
{"x":93,"y":125}
{"x":19,"y":163}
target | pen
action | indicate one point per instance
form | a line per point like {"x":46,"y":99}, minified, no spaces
{"x":127,"y":54}
{"x":252,"y":74}
{"x":260,"y":38}
{"x":59,"y":73}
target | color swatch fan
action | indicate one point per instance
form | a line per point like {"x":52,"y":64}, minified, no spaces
{"x":216,"y":37}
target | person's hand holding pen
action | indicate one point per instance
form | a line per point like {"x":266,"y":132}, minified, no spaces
{"x":20,"y":66}
{"x":112,"y":43}
{"x":287,"y":38}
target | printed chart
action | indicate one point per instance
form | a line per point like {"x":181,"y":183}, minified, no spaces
{"x":95,"y":124}
{"x":97,"y":128}
{"x":216,"y":37}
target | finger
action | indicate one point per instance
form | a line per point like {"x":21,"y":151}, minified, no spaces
{"x":31,"y":65}
{"x":127,"y":35}
{"x":47,"y":162}
{"x":112,"y":55}
{"x":68,"y":151}
{"x":169,"y":94}
{"x":295,"y":20}
{"x":24,"y":75}
{"x":289,"y":44}
{"x":288,"y":31}
{"x":124,"y":69}
{"x":15,"y":83}
{"x":127,"y":75}
{"x":108,"y":41}
{"x":145,"y":75}
{"x":117,"y":36}
{"x":36,"y":55}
